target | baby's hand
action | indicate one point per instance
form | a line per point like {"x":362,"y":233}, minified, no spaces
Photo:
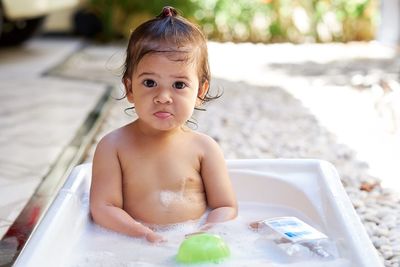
{"x":194,"y":233}
{"x":153,"y":237}
{"x":206,"y":227}
{"x":257,"y":225}
{"x":203,"y":229}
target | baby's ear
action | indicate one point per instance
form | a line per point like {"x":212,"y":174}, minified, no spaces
{"x":203,"y":89}
{"x":128,"y":89}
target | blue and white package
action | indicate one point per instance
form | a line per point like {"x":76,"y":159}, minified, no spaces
{"x":294,"y":233}
{"x":294,"y":229}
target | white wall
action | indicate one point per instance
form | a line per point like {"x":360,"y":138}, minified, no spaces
{"x":389,"y":28}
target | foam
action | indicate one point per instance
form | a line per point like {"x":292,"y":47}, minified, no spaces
{"x":248,"y":248}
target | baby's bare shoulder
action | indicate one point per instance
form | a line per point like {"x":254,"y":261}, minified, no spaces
{"x":205,"y":141}
{"x":201,"y":137}
{"x":115,"y":138}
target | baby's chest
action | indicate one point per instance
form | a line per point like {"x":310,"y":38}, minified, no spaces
{"x":172,"y":171}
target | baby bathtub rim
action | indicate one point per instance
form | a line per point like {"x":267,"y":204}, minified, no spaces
{"x":368,"y":255}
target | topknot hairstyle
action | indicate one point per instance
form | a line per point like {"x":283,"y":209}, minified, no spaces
{"x":168,"y":11}
{"x":169,"y":33}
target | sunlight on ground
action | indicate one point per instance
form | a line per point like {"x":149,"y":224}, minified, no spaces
{"x":327,"y":89}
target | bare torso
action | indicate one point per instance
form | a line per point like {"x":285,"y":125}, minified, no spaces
{"x":161,"y":182}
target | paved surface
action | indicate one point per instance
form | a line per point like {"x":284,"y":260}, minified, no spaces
{"x":39,"y":116}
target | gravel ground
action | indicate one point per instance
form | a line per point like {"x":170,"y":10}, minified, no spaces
{"x":266,"y":112}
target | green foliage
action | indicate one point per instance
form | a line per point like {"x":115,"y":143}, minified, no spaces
{"x":120,"y":17}
{"x":250,"y":20}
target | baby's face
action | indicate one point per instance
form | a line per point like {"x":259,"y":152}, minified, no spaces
{"x":163,"y":91}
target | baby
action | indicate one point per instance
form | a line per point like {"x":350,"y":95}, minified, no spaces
{"x":155,"y":170}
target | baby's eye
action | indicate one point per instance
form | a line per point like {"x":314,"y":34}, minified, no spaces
{"x":179,"y":85}
{"x":149,"y":83}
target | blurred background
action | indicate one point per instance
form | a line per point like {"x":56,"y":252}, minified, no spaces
{"x":248,"y":20}
{"x":267,"y":21}
{"x":240,"y":20}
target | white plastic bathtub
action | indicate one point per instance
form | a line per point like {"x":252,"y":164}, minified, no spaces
{"x":309,"y":189}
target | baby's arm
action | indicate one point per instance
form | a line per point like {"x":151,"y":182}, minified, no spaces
{"x":106,"y":201}
{"x":220,"y":195}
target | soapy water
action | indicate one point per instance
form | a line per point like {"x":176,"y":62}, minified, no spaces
{"x":100,"y":247}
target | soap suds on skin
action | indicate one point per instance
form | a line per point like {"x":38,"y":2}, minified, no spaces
{"x":167,"y":197}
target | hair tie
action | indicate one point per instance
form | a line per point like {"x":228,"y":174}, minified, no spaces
{"x":168,"y":12}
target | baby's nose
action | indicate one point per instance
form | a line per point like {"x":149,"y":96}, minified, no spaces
{"x":163,"y":97}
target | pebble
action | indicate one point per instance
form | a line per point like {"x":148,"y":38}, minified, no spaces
{"x":396,"y":250}
{"x":386,"y":251}
{"x":379,"y":241}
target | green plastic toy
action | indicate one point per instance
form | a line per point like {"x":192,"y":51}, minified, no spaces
{"x":201,"y":248}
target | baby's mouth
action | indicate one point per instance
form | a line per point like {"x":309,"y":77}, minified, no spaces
{"x":162,"y":114}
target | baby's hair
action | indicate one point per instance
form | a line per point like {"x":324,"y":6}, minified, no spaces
{"x":169,"y":33}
